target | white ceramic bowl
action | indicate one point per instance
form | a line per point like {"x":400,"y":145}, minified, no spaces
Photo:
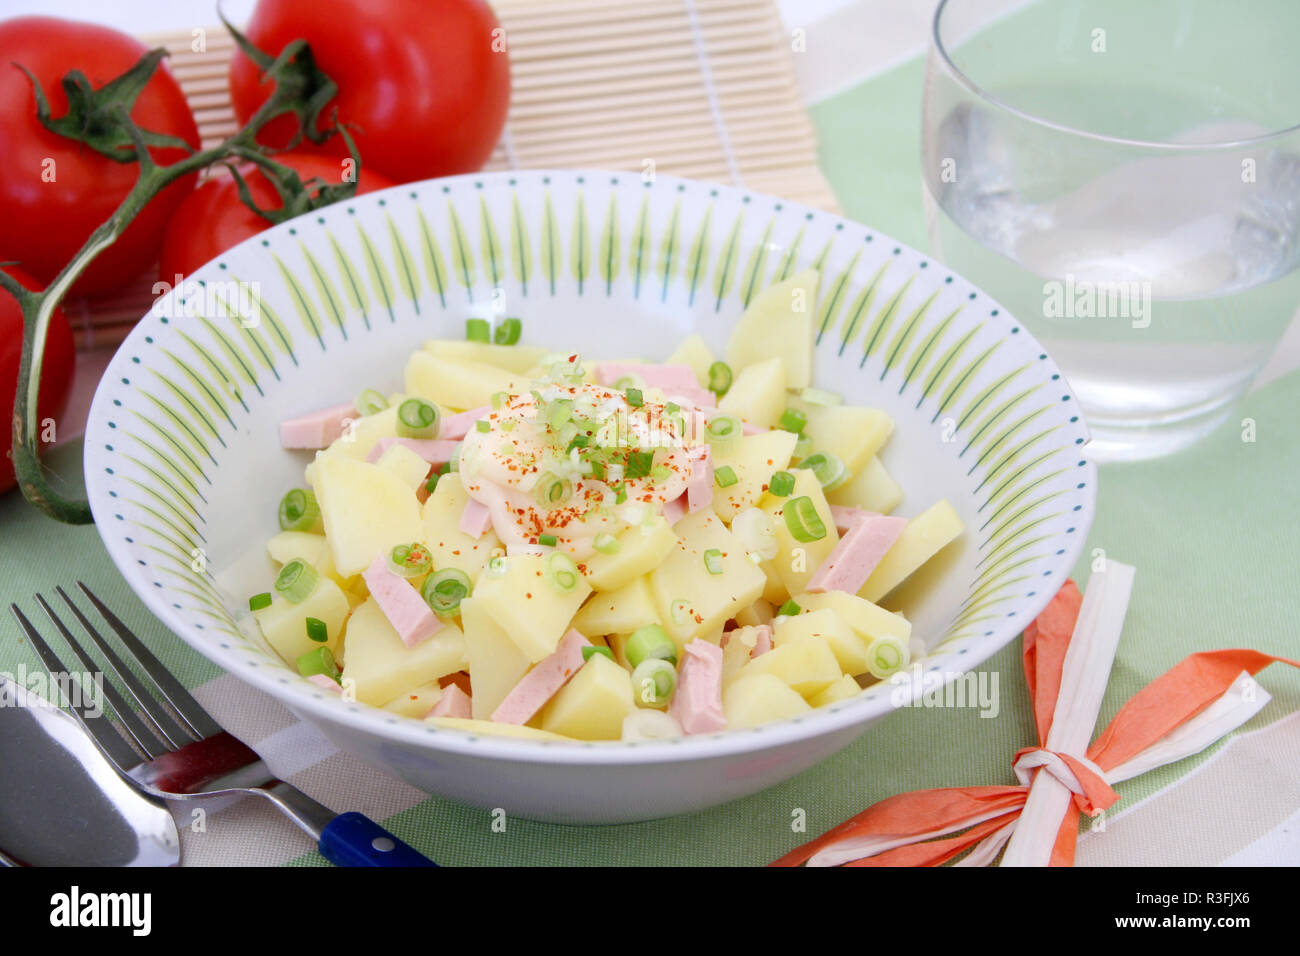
{"x":184,"y":469}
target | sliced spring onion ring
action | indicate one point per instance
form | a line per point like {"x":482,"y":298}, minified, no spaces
{"x":299,"y":511}
{"x":802,"y":446}
{"x":725,"y":476}
{"x":713,"y":561}
{"x":802,"y":519}
{"x":483,"y":425}
{"x":560,"y":572}
{"x":606,"y":543}
{"x":639,"y":464}
{"x":370,"y":401}
{"x":634,"y":397}
{"x":259,"y":601}
{"x":552,"y":491}
{"x":410,"y":560}
{"x":829,"y":469}
{"x":719,"y":378}
{"x":756,"y":531}
{"x":793,"y":420}
{"x":631,"y":380}
{"x":788,"y":609}
{"x":296,"y":581}
{"x":547,"y":540}
{"x":590,"y":651}
{"x":886,"y":655}
{"x":444,"y":590}
{"x":649,"y":643}
{"x":782,"y":484}
{"x":559,"y":412}
{"x":318,"y":661}
{"x":508,"y":332}
{"x":432,"y":484}
{"x":497,"y":566}
{"x":478,"y":330}
{"x":722,"y":432}
{"x":653,"y":682}
{"x":317,"y":631}
{"x":417,"y":418}
{"x":498,"y":399}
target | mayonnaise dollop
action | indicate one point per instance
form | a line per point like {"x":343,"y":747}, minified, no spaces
{"x":576,"y":461}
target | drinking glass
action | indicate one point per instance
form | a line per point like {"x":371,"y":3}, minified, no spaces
{"x":1125,"y":178}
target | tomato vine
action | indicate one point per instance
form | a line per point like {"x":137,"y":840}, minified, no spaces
{"x":101,"y":120}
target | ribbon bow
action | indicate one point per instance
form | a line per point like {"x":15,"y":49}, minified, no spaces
{"x":1180,"y":713}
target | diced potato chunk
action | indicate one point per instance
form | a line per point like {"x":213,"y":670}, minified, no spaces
{"x":592,"y":705}
{"x":808,"y":666}
{"x":760,"y":699}
{"x":527,"y":606}
{"x":367,"y":511}
{"x":495,"y":661}
{"x":757,"y":394}
{"x":753,"y":458}
{"x":618,"y":612}
{"x":872,"y":488}
{"x":405,"y":465}
{"x":868,"y":620}
{"x":849,"y":648}
{"x":513,"y":358}
{"x":640,"y":550}
{"x":842,"y":689}
{"x":449,"y":546}
{"x":691,"y":601}
{"x":796,"y":561}
{"x":851,"y":432}
{"x":693,"y":352}
{"x":923,"y":538}
{"x":493,"y":729}
{"x":457,"y":383}
{"x":284,"y":624}
{"x":417,"y":702}
{"x":779,"y":324}
{"x":383,"y":667}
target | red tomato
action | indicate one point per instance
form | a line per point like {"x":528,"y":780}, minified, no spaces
{"x":424,"y":83}
{"x":212,"y":218}
{"x":56,"y":372}
{"x":55,"y":191}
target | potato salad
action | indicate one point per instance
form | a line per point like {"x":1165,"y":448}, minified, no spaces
{"x":550,"y":545}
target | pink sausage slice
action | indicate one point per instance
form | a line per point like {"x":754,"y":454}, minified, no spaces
{"x":454,"y":702}
{"x":412,"y":619}
{"x":317,"y":430}
{"x":675,"y":510}
{"x":476,"y":519}
{"x":434,"y":451}
{"x":856,"y":556}
{"x":699,"y":490}
{"x":542,"y":682}
{"x":666,"y":377}
{"x":846,"y":517}
{"x":456,"y":427}
{"x":697,"y":705}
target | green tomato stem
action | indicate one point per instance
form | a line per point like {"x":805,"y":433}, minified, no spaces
{"x":300,"y":89}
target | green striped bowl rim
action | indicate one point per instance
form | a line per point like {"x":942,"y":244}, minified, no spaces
{"x":183,"y":467}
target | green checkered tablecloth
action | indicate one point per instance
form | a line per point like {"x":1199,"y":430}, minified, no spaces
{"x":1211,"y":532}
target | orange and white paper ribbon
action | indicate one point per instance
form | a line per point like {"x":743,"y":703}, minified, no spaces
{"x":1069,"y":651}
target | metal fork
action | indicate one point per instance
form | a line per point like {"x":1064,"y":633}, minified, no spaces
{"x":183,"y":753}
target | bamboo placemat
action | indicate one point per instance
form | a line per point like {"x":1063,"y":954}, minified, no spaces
{"x":701,"y":88}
